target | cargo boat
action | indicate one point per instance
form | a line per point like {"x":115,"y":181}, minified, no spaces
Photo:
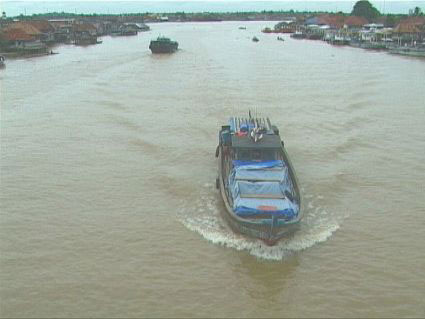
{"x":163,"y":45}
{"x":257,"y":181}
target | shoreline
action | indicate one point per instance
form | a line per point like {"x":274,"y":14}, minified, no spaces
{"x":208,"y":16}
{"x":20,"y":55}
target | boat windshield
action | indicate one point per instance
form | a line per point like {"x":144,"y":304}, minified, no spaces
{"x":257,"y":155}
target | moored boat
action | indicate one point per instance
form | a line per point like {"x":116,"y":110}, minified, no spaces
{"x":416,"y":51}
{"x":298,"y":35}
{"x":257,"y":181}
{"x":163,"y":45}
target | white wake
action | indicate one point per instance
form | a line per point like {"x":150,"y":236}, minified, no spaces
{"x":205,"y":218}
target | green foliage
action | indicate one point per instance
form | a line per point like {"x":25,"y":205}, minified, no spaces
{"x":364,"y":8}
{"x":417,"y":11}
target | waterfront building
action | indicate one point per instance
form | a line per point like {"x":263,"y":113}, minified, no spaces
{"x":410,"y":31}
{"x":46,"y":29}
{"x":62,"y":29}
{"x":84,"y":33}
{"x":22,"y":37}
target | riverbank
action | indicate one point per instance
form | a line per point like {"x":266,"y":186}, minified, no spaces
{"x":21,"y":55}
{"x":205,"y":15}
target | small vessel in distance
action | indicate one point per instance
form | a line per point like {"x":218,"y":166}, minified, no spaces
{"x":255,"y":39}
{"x":416,"y":51}
{"x":2,"y":64}
{"x":163,"y":45}
{"x":256,"y":180}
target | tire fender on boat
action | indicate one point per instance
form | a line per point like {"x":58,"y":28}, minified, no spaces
{"x":217,"y":151}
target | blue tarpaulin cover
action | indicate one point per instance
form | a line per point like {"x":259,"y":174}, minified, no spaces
{"x":261,"y":187}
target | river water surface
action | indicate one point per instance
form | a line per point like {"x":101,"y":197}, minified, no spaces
{"x":108,"y":200}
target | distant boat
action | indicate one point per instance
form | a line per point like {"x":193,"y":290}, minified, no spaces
{"x":369,"y":45}
{"x":257,"y":181}
{"x":163,"y":45}
{"x":314,"y":36}
{"x":115,"y":33}
{"x":418,"y":51}
{"x":298,"y":35}
{"x":242,"y":28}
{"x":127,"y":29}
{"x":280,"y":39}
{"x":2,"y":64}
{"x":255,"y":39}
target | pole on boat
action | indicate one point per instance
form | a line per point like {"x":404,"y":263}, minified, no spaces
{"x":270,"y":124}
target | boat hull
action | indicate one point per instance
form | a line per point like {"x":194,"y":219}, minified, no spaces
{"x":408,"y":52}
{"x":163,"y":48}
{"x":268,"y":230}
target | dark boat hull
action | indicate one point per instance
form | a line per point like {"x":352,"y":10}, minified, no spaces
{"x":163,"y":48}
{"x":270,"y":230}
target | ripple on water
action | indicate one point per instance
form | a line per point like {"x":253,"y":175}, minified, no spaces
{"x":204,"y":218}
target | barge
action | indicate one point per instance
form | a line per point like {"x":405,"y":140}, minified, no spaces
{"x":163,"y":45}
{"x":256,"y":180}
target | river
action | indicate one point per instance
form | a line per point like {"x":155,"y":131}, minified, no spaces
{"x":108,"y":199}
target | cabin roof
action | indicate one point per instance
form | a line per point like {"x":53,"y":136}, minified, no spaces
{"x":268,"y":141}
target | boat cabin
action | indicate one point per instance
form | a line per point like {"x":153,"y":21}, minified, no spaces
{"x":255,"y":155}
{"x":251,"y":140}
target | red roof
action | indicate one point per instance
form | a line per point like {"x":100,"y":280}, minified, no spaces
{"x":41,"y":25}
{"x":406,"y":27}
{"x":17,"y":35}
{"x":420,"y":21}
{"x":336,"y":21}
{"x":24,"y":27}
{"x":354,"y":21}
{"x":410,"y":25}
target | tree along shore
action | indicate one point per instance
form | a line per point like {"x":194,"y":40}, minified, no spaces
{"x":388,"y":19}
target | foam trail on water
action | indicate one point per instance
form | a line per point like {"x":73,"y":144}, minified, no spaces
{"x":316,"y":227}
